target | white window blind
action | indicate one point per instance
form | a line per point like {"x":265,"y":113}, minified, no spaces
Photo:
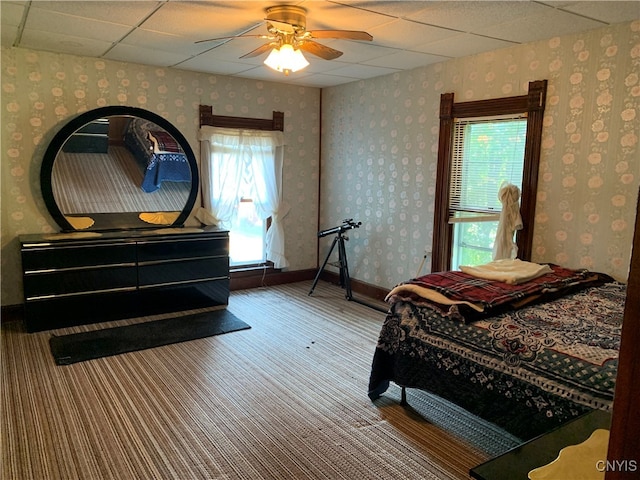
{"x":486,"y":153}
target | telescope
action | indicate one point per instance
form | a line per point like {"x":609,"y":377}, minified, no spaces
{"x":347,"y":224}
{"x":339,"y":239}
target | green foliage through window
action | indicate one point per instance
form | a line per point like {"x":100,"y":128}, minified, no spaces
{"x":486,"y":154}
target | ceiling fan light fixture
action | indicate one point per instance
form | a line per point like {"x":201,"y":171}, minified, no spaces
{"x":286,"y":59}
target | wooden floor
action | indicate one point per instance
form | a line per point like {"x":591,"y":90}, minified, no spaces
{"x":285,"y":399}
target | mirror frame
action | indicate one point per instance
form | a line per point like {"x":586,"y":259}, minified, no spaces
{"x":81,"y":120}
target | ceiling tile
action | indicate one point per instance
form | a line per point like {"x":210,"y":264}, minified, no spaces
{"x":342,"y":16}
{"x":470,"y":16}
{"x":144,"y":56}
{"x":211,"y":63}
{"x":324,"y":81}
{"x":59,"y":43}
{"x":462,"y":45}
{"x":317,"y":80}
{"x":8,"y":35}
{"x":54,"y":22}
{"x":546,"y":25}
{"x":393,"y":8}
{"x":122,"y":12}
{"x":164,"y":41}
{"x":265,"y":73}
{"x":405,"y":60}
{"x":357,"y":52}
{"x":233,"y":51}
{"x":406,"y":34}
{"x":362,"y":71}
{"x":202,"y":20}
{"x":610,"y":12}
{"x":11,"y":13}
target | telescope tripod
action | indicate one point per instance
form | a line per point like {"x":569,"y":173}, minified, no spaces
{"x":345,"y":281}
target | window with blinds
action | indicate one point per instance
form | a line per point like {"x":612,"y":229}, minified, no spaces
{"x":496,"y":140}
{"x":486,"y":153}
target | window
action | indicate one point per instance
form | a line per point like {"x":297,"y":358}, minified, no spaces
{"x":238,"y":165}
{"x":483,"y":143}
{"x":247,"y":236}
{"x":486,"y":154}
{"x":241,"y":165}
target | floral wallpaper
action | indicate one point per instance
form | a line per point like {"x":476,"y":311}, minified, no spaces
{"x":379,"y":146}
{"x":41,"y":91}
{"x":380,"y":143}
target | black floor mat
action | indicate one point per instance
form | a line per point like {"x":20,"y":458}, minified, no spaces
{"x":79,"y":347}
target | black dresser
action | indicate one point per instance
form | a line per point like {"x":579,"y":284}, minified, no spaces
{"x":85,"y":277}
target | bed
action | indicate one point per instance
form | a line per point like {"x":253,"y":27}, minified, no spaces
{"x":527,"y":356}
{"x":157,"y":152}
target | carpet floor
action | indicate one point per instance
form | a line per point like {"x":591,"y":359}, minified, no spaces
{"x":286,"y":399}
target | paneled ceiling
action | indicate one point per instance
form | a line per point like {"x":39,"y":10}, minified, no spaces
{"x":406,"y":34}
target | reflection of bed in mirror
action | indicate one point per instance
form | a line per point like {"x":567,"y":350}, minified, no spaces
{"x":161,"y":157}
{"x":110,"y":182}
{"x":118,"y":167}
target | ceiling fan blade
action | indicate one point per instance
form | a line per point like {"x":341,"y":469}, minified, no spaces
{"x":281,"y":26}
{"x":260,"y":50}
{"x":235,"y":36}
{"x":319,"y":50}
{"x":347,"y":34}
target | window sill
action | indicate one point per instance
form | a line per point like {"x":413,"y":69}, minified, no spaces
{"x":251,"y":276}
{"x":247,"y":270}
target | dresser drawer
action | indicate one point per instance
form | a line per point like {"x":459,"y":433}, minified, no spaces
{"x":79,"y":281}
{"x":65,"y":311}
{"x":187,"y":248}
{"x":182,"y":271}
{"x":63,"y":257}
{"x":185,"y":296}
{"x":75,"y":280}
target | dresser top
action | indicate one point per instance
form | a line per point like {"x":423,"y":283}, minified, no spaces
{"x":123,"y":235}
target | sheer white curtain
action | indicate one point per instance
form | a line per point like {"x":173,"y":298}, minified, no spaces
{"x":230,"y":157}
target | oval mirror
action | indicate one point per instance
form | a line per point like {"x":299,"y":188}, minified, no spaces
{"x":117,"y":168}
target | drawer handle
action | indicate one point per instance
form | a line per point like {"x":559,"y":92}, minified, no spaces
{"x":77,"y":294}
{"x":182,"y":282}
{"x":179,"y":240}
{"x":79,"y":268}
{"x":177,"y":260}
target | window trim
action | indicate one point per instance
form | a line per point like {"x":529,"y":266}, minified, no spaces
{"x":208,"y":118}
{"x":532,"y":104}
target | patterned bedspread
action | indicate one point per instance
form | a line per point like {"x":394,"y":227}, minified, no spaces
{"x":159,"y":155}
{"x":468,"y":298}
{"x":526,"y":370}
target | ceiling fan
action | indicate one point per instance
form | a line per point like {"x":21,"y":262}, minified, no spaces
{"x":287,"y":27}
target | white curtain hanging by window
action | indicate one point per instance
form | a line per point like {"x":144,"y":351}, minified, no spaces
{"x":227,"y":156}
{"x":510,"y":221}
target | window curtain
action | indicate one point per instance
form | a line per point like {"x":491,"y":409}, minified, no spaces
{"x":510,"y":221}
{"x":227,"y":157}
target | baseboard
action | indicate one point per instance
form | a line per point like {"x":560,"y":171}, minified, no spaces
{"x":358,"y":286}
{"x":268,"y":277}
{"x":11,"y":313}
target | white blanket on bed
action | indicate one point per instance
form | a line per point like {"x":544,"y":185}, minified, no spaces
{"x":512,"y":271}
